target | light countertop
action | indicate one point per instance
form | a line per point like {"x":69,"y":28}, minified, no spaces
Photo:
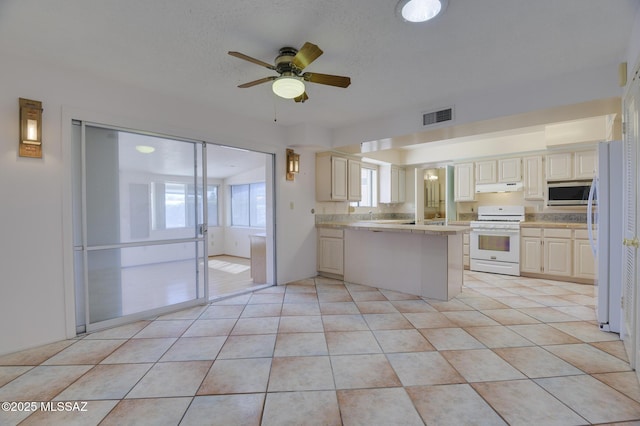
{"x":396,"y":226}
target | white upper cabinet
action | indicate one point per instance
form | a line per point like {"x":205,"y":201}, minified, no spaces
{"x":504,"y":170}
{"x":585,"y":164}
{"x":486,"y":172}
{"x":392,"y":184}
{"x":572,"y":165}
{"x":337,"y":178}
{"x":402,"y":185}
{"x":559,"y":166}
{"x":354,"y":187}
{"x":464,"y":188}
{"x":534,"y":183}
{"x":509,"y":170}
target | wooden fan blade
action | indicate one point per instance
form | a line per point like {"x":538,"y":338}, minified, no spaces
{"x":330,"y":80}
{"x":250,"y":59}
{"x":302,"y":97}
{"x":256,"y":82}
{"x":307,"y":54}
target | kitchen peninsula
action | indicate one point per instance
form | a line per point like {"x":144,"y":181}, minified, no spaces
{"x":422,"y":260}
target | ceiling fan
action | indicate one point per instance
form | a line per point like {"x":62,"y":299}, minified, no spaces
{"x":289,"y":65}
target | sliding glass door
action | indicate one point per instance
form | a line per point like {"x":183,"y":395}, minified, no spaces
{"x":140,"y":225}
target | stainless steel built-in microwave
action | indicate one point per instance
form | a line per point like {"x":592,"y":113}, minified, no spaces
{"x":573,"y":193}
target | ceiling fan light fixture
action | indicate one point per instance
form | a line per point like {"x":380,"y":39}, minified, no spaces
{"x":288,"y":86}
{"x":144,"y":149}
{"x":420,"y":10}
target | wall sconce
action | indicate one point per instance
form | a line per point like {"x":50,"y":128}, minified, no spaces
{"x":30,"y":128}
{"x":293,"y":164}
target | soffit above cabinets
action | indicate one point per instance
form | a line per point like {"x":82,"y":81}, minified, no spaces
{"x":580,"y":124}
{"x":589,"y":130}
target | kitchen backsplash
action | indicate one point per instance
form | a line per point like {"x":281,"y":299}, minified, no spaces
{"x":355,"y":217}
{"x":556,"y":217}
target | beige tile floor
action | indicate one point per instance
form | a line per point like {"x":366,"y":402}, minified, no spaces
{"x":507,"y":350}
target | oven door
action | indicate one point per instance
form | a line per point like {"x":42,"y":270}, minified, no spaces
{"x":501,"y":245}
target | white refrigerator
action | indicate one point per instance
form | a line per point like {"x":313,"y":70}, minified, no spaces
{"x":605,"y":214}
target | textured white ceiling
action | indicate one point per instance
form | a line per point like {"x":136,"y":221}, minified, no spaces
{"x":180,"y":48}
{"x":177,"y":159}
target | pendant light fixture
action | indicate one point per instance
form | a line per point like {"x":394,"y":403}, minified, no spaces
{"x":420,"y":10}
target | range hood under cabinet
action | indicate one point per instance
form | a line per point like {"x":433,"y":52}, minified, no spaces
{"x":499,"y":187}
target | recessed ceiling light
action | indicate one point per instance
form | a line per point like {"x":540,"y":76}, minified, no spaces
{"x":420,"y":10}
{"x":145,"y":149}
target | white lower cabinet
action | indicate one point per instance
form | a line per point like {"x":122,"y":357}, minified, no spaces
{"x":546,"y":251}
{"x":584,"y":264}
{"x":531,"y":251}
{"x":331,"y":251}
{"x":557,"y":255}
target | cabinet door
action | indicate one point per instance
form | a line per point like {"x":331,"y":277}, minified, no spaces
{"x":585,"y":164}
{"x":533,"y":178}
{"x":584,"y":265}
{"x":531,"y":255}
{"x":355,"y":185}
{"x":485,"y":172}
{"x":559,"y":166}
{"x":389,"y":190}
{"x":331,"y":255}
{"x":402,"y":185}
{"x":509,"y":170}
{"x":395,"y":184}
{"x":465,"y":250}
{"x":464,"y":186}
{"x":557,"y":256}
{"x":339,"y":173}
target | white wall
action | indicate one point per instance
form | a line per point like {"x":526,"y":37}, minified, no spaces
{"x":633,"y":52}
{"x":295,"y":221}
{"x":36,"y":306}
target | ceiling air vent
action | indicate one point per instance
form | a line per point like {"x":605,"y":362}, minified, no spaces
{"x":435,"y":117}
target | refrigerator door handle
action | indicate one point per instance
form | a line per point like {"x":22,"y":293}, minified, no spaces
{"x":592,"y":193}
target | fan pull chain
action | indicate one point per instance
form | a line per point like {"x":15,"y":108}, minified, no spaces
{"x":275,"y":110}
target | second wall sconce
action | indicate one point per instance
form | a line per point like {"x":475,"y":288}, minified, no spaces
{"x":30,"y":128}
{"x":293,"y":164}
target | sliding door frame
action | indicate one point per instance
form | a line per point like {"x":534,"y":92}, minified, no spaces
{"x":199,"y":238}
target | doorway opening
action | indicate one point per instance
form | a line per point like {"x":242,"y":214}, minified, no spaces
{"x":240,"y":218}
